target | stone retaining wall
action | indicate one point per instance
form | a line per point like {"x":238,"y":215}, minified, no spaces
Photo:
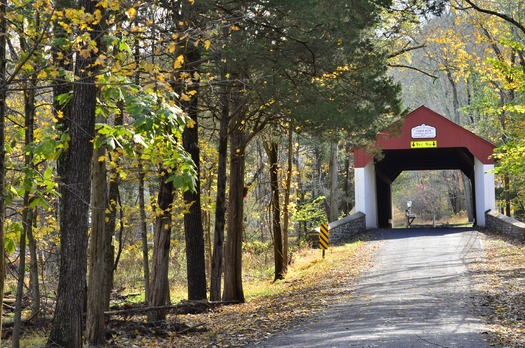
{"x":497,"y":222}
{"x":347,"y":229}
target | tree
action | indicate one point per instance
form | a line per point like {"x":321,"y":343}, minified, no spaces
{"x":272,"y":151}
{"x":67,"y":322}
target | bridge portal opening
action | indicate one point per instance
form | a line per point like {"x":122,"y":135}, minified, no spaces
{"x":424,"y":141}
{"x":434,"y":197}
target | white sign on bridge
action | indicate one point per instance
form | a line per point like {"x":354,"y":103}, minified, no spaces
{"x":423,"y":132}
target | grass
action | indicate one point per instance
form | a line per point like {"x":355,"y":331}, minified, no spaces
{"x":269,"y":306}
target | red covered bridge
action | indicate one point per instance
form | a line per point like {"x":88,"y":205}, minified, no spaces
{"x":427,"y":141}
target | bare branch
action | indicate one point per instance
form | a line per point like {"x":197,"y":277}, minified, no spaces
{"x":434,"y":77}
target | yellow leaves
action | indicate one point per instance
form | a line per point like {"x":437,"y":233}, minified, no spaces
{"x":207,"y":44}
{"x":235,"y":27}
{"x":131,"y":13}
{"x":179,"y":61}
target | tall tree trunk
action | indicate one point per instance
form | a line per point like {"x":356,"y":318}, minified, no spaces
{"x":112,"y":206}
{"x":159,"y":287}
{"x":67,"y":322}
{"x":95,"y":334}
{"x":347,"y":183}
{"x":287,"y":193}
{"x":220,"y":203}
{"x":334,"y":185}
{"x":233,"y":290}
{"x":34,"y":284}
{"x":272,"y":152}
{"x":144,"y":232}
{"x":193,"y":230}
{"x":455,"y":98}
{"x":62,"y":109}
{"x":28,"y":213}
{"x":142,"y":203}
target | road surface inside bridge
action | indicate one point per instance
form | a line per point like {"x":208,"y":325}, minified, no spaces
{"x":418,"y":293}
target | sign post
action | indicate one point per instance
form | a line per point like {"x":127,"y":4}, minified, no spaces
{"x":323,"y":237}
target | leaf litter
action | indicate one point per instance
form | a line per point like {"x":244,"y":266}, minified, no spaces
{"x":313,"y":284}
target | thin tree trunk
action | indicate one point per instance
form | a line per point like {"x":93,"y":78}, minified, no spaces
{"x":95,"y":334}
{"x":112,"y":206}
{"x":334,"y":187}
{"x":142,"y":203}
{"x":27,"y":215}
{"x":272,"y":152}
{"x":34,"y":284}
{"x":347,"y":184}
{"x":287,"y":193}
{"x":159,"y":276}
{"x":67,"y":327}
{"x":455,"y":98}
{"x":144,"y":232}
{"x":220,"y":203}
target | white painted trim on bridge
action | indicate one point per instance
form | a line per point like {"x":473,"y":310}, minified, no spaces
{"x":366,"y":193}
{"x":484,"y":189}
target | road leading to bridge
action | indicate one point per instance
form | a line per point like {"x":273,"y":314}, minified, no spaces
{"x":417,"y":294}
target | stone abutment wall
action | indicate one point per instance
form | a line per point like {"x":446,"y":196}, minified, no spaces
{"x":497,"y":222}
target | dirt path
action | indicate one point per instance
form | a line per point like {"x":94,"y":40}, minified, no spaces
{"x":418,"y":294}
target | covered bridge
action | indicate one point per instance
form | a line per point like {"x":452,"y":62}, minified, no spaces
{"x":427,"y":141}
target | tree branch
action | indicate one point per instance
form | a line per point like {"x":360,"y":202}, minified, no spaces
{"x":404,"y":50}
{"x":503,"y":16}
{"x":434,"y":77}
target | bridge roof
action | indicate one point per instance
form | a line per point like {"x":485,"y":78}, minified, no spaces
{"x":428,"y":140}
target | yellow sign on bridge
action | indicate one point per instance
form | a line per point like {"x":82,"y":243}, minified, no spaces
{"x":423,"y":144}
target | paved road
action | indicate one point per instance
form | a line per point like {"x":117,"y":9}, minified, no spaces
{"x":418,"y":294}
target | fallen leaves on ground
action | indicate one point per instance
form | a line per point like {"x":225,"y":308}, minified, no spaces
{"x":502,"y":289}
{"x":310,"y":286}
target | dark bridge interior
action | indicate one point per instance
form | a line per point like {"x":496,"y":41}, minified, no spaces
{"x":393,"y":162}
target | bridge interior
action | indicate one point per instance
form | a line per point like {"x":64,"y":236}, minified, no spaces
{"x":394,"y":162}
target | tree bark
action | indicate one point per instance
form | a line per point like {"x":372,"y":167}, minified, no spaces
{"x":144,"y":232}
{"x":34,"y":284}
{"x":161,"y":248}
{"x":334,"y":186}
{"x":233,"y":290}
{"x":347,"y":205}
{"x":112,"y":205}
{"x":287,"y":194}
{"x":193,"y":230}
{"x":272,"y":152}
{"x":220,"y":205}
{"x":67,"y":322}
{"x":95,"y":334}
{"x":28,"y":213}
